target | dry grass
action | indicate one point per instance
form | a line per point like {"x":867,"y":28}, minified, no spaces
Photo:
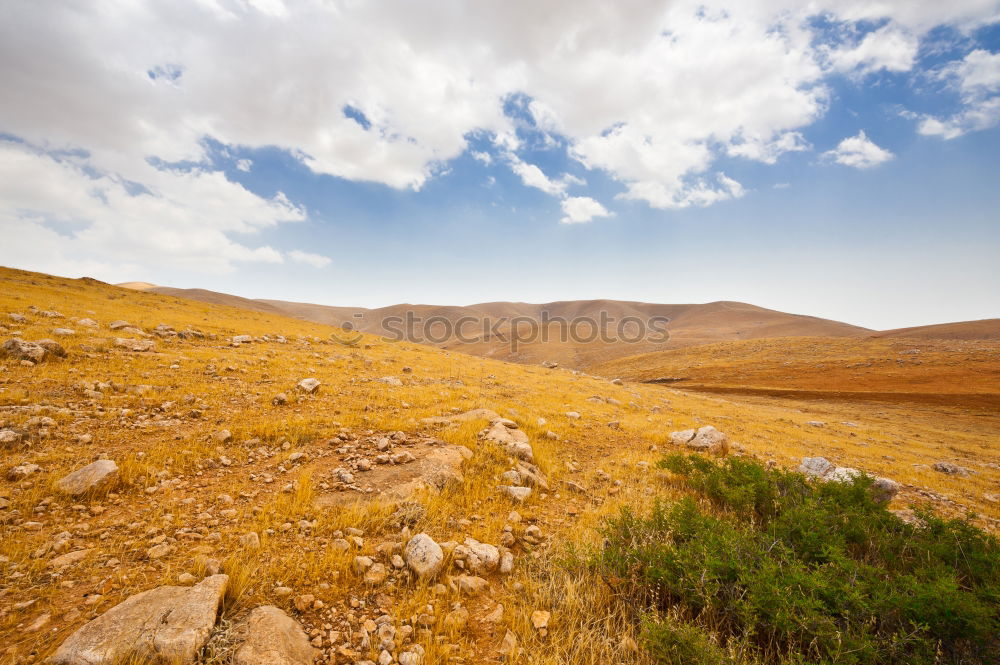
{"x":172,"y":475}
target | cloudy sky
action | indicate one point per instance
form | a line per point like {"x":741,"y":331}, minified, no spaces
{"x":837,"y":157}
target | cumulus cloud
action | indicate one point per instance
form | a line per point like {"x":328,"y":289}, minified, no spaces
{"x":859,"y":152}
{"x":62,"y":209}
{"x":244,"y":165}
{"x":580,"y":209}
{"x":651,"y":93}
{"x":977,"y":79}
{"x":890,"y":48}
{"x":308,"y":258}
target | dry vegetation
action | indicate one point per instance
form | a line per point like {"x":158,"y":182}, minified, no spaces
{"x":160,"y":415}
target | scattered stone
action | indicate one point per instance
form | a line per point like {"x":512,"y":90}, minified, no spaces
{"x":250,"y":540}
{"x":424,"y":556}
{"x":883,"y":489}
{"x":518,"y":494}
{"x":34,"y":352}
{"x":96,"y":476}
{"x":280,"y":399}
{"x":168,"y":623}
{"x":951,"y":469}
{"x":22,"y":471}
{"x":710,"y":440}
{"x":309,"y":386}
{"x":470,"y":585}
{"x":540,"y":620}
{"x":136,"y":345}
{"x":268,"y":636}
{"x":514,"y":441}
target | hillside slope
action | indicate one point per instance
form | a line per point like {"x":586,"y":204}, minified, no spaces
{"x":984,"y":329}
{"x":308,"y":501}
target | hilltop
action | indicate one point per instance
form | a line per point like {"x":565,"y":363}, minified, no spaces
{"x":217,"y":457}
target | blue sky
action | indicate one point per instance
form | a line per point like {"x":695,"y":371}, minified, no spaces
{"x":840,"y":162}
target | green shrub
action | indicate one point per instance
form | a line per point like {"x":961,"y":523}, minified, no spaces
{"x":803,"y":571}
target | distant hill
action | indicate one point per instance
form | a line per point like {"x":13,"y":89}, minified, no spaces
{"x":984,"y":329}
{"x":487,"y":329}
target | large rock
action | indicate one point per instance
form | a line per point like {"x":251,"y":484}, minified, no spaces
{"x":95,"y":476}
{"x":681,"y":437}
{"x":951,"y":469}
{"x":480,"y":557}
{"x":36,"y":352}
{"x":882,"y":489}
{"x":424,"y":556}
{"x":268,"y":636}
{"x":166,"y":624}
{"x":710,"y":440}
{"x":514,"y":441}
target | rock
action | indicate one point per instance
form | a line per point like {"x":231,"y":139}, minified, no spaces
{"x":280,"y":399}
{"x":118,"y":325}
{"x":87,"y":323}
{"x":136,"y":345}
{"x":168,"y":623}
{"x":70,"y":558}
{"x":518,"y":494}
{"x":223,"y":436}
{"x":309,"y":386}
{"x":35,"y":352}
{"x":242,"y":339}
{"x":481,"y":557}
{"x":816,"y":467}
{"x":617,"y":382}
{"x":474,"y":414}
{"x":96,"y":476}
{"x":376,"y":574}
{"x":390,"y":381}
{"x":883,"y":489}
{"x":573,"y":415}
{"x":9,"y":437}
{"x":63,"y":332}
{"x":471,"y":585}
{"x":513,"y":441}
{"x":951,"y":469}
{"x":710,"y":440}
{"x":540,"y":619}
{"x":509,"y":648}
{"x":250,"y":540}
{"x":158,"y":551}
{"x":456,"y":620}
{"x":22,"y":471}
{"x":424,"y":556}
{"x":268,"y":636}
{"x":682,"y":437}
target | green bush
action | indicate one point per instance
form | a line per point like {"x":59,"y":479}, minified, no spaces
{"x":802,"y":571}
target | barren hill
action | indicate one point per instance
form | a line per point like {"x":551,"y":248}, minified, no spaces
{"x":984,"y":329}
{"x":487,"y":329}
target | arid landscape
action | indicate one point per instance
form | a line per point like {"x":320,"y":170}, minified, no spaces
{"x":310,"y":495}
{"x":660,"y":332}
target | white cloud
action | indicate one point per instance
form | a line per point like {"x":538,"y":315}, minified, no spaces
{"x":651,"y":93}
{"x":859,"y":152}
{"x":532,"y":176}
{"x":244,"y":165}
{"x":314,"y":260}
{"x":580,"y":209}
{"x":890,"y":48}
{"x":181,"y":219}
{"x":977,"y":78}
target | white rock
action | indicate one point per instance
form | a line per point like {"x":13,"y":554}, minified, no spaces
{"x":424,"y":556}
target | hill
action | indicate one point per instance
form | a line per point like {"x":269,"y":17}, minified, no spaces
{"x":218,"y":468}
{"x":985,"y":329}
{"x":583,"y":333}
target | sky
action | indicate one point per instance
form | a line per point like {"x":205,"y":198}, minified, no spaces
{"x":839,"y":158}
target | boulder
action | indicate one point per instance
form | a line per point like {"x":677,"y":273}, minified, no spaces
{"x":95,"y":476}
{"x":268,"y":636}
{"x":882,"y":489}
{"x":118,"y":325}
{"x":424,"y":556}
{"x":36,"y":352}
{"x":682,"y":437}
{"x":816,"y":467}
{"x":165,"y":624}
{"x":710,"y":440}
{"x":481,"y":557}
{"x":518,"y":494}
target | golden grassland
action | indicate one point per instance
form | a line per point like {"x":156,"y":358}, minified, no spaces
{"x":172,"y":478}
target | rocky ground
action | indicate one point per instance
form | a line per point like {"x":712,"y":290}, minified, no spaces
{"x":204,"y":484}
